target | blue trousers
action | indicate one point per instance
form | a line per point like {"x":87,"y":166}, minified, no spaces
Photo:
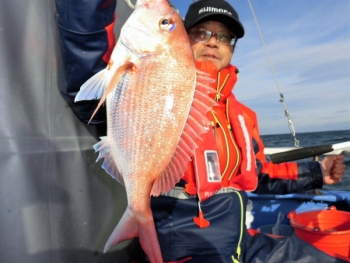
{"x":226,"y":239}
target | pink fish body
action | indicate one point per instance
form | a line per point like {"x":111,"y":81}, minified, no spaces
{"x":156,"y":109}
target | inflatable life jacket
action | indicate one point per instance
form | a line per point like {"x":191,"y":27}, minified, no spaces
{"x":226,"y":156}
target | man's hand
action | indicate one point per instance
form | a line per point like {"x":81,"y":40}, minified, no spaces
{"x":333,"y":169}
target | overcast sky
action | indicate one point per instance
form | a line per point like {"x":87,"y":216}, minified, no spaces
{"x":308,"y":42}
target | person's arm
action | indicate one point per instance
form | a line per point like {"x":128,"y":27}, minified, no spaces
{"x":289,"y":177}
{"x":86,"y":42}
{"x":292,"y":177}
{"x":282,"y":178}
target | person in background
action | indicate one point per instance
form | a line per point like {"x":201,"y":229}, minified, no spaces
{"x":213,"y":54}
{"x":228,"y":163}
{"x":86,"y":41}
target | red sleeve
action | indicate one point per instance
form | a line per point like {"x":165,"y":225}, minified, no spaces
{"x":280,"y":178}
{"x":288,"y":171}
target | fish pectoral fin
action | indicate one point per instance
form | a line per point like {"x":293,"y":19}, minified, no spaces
{"x":114,"y":83}
{"x":93,"y":88}
{"x":172,"y":174}
{"x":108,"y":163}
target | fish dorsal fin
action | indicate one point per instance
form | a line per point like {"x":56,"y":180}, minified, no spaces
{"x":114,"y":83}
{"x":194,"y":127}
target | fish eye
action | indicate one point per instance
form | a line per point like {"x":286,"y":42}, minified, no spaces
{"x":167,"y":24}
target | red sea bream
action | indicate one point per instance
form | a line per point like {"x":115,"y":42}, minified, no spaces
{"x":156,"y":105}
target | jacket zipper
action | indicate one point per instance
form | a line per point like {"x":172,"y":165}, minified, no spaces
{"x":226,"y":144}
{"x":233,"y":142}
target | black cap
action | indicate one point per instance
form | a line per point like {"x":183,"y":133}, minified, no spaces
{"x":216,"y":10}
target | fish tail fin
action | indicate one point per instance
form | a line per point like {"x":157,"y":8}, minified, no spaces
{"x":127,"y":228}
{"x":149,"y":242}
{"x":130,"y":227}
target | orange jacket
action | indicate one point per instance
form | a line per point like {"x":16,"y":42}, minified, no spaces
{"x":236,"y":150}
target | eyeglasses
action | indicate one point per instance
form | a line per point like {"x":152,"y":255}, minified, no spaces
{"x":203,"y":35}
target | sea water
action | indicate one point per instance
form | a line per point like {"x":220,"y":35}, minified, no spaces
{"x":314,"y":139}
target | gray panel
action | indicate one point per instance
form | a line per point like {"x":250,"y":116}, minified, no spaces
{"x":56,"y":204}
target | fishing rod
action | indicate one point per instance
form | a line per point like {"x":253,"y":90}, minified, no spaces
{"x":306,"y":152}
{"x":282,"y":100}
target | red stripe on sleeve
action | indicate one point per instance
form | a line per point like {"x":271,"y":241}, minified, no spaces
{"x":111,"y":40}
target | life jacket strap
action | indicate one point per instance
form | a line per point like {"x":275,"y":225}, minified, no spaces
{"x":180,"y":193}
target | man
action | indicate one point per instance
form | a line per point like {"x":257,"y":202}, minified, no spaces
{"x":206,"y":48}
{"x":214,"y":27}
{"x":233,"y":145}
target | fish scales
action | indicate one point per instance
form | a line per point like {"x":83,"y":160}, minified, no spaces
{"x":146,"y":126}
{"x":149,"y":87}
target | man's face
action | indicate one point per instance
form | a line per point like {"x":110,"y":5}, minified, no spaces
{"x":212,"y":51}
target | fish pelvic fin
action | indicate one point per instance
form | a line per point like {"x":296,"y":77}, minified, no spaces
{"x":108,"y":163}
{"x":131,"y":226}
{"x":196,"y":125}
{"x":113,"y":83}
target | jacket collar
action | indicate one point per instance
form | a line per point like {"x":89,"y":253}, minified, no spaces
{"x":225,"y":79}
